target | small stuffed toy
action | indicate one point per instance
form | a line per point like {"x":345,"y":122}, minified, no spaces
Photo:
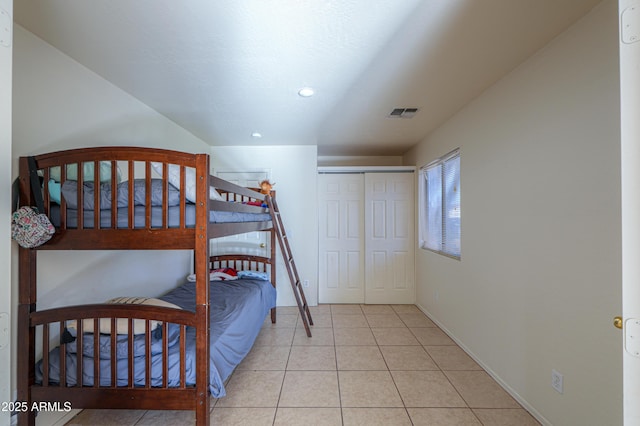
{"x":265,"y":187}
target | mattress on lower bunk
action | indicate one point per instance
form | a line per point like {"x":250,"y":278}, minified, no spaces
{"x":156,"y":217}
{"x":237,"y":311}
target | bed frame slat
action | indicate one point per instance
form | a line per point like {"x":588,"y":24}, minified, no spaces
{"x":147,"y":195}
{"x":165,"y":197}
{"x":45,"y":191}
{"x":147,"y":355}
{"x":45,"y":354}
{"x":183,"y":356}
{"x":97,"y":188}
{"x":130,"y":355}
{"x":80,"y":352}
{"x":114,"y":195}
{"x":165,"y":351}
{"x":96,"y":350}
{"x":130,"y":203}
{"x":183,"y":197}
{"x":80,"y":192}
{"x":63,"y":201}
{"x":114,"y":358}
{"x":63,"y":358}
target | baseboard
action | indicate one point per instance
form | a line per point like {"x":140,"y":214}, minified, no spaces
{"x":538,"y":416}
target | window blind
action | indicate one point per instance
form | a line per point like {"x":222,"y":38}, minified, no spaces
{"x":440,"y":214}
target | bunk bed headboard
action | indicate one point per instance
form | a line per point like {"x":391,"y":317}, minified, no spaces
{"x":127,"y":181}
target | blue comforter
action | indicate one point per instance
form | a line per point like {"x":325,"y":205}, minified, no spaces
{"x":237,"y":311}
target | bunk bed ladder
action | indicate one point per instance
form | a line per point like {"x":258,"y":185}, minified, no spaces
{"x":285,"y":248}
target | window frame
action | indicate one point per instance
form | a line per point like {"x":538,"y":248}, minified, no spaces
{"x":441,"y":199}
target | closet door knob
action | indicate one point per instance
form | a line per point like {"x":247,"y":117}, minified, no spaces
{"x":617,"y":322}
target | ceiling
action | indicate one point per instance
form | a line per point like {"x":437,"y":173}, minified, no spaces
{"x":226,"y":69}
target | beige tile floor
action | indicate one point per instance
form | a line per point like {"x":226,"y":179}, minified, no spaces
{"x":365,"y":365}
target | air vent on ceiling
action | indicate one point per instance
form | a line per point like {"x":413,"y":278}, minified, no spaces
{"x":403,"y":112}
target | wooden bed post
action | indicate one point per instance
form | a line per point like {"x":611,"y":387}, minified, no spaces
{"x":201,"y":259}
{"x":272,"y":255}
{"x":26,"y":343}
{"x":26,"y":305}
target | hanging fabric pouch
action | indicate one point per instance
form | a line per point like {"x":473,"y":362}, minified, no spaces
{"x":29,"y":227}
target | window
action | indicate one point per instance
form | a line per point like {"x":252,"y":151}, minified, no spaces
{"x":439,"y":203}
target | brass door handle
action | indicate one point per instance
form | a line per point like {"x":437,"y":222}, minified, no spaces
{"x":262,"y":245}
{"x":617,"y":322}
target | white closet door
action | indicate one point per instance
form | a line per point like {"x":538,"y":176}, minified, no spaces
{"x":341,"y":238}
{"x":389,"y":238}
{"x":251,"y":243}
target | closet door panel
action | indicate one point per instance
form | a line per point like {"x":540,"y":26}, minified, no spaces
{"x":378,"y":220}
{"x":402,"y":265}
{"x":389,"y":238}
{"x":341,"y":238}
{"x":331,"y":272}
{"x":378,"y":272}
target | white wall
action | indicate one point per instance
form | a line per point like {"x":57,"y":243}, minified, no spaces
{"x":6,"y":49}
{"x":540,"y":277}
{"x":59,"y":104}
{"x":293,"y":169}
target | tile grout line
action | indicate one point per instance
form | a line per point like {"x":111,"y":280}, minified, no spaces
{"x":284,"y":375}
{"x":404,"y":405}
{"x":335,"y":351}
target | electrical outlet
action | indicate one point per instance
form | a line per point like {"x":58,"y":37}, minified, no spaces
{"x":556,"y":381}
{"x":305,"y":283}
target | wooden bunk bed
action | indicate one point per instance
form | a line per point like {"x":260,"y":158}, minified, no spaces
{"x":95,"y":212}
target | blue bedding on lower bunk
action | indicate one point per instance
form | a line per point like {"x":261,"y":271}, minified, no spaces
{"x":237,"y":311}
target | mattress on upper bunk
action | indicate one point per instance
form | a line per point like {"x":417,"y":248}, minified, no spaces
{"x":237,"y":311}
{"x":156,"y":217}
{"x":69,"y":190}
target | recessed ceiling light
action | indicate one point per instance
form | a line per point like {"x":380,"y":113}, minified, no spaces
{"x":256,"y":135}
{"x":306,"y":92}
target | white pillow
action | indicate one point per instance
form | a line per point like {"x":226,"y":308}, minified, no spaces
{"x":122,"y":324}
{"x":190,"y":181}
